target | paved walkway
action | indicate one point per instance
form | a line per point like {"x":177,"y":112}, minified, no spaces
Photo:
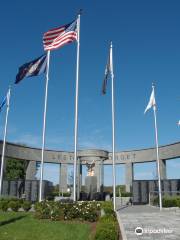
{"x":153,"y":224}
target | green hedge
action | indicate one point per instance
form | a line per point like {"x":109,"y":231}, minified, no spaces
{"x":168,"y":201}
{"x":124,"y":194}
{"x":14,"y":204}
{"x":171,"y":201}
{"x":107,"y":206}
{"x":107,"y":229}
{"x":3,"y":205}
{"x":26,"y":205}
{"x":54,"y":194}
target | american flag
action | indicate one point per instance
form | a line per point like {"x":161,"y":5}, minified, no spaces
{"x":60,"y":36}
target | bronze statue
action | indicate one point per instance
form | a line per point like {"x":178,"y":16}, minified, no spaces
{"x":90,"y":168}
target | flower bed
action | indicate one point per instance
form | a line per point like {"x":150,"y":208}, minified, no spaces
{"x":83,"y":211}
{"x":100,"y":212}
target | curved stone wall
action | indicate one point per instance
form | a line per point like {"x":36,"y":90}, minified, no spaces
{"x":135,"y":156}
{"x":101,"y":157}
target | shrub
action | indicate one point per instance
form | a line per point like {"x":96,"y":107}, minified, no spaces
{"x":26,"y":205}
{"x":90,"y":216}
{"x":87,"y":211}
{"x":156,"y":201}
{"x":169,"y":202}
{"x":54,"y":194}
{"x":83,"y":211}
{"x":4,"y":205}
{"x":108,"y":208}
{"x":107,"y":229}
{"x":107,"y":204}
{"x":43,"y":210}
{"x":57,"y":212}
{"x":107,"y":219}
{"x":66,"y":194}
{"x":14,"y":205}
{"x":126,"y":194}
{"x":178,"y":202}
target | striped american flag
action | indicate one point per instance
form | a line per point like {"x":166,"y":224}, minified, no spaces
{"x":57,"y":37}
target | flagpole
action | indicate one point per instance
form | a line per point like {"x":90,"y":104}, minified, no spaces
{"x":157,"y":153}
{"x":113,"y":129}
{"x":76,"y":108}
{"x":4,"y":141}
{"x":44,"y":127}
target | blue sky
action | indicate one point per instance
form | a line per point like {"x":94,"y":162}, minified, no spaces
{"x":146,"y":37}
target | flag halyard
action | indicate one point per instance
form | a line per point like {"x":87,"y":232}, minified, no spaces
{"x":4,"y":101}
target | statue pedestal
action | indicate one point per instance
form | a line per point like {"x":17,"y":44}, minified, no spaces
{"x":90,"y":186}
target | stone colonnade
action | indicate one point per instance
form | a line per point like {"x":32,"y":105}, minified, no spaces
{"x":98,"y":169}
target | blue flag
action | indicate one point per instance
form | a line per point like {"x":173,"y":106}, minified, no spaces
{"x":108,"y":72}
{"x":33,"y":68}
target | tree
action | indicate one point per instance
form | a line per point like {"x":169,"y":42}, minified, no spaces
{"x":15,"y":169}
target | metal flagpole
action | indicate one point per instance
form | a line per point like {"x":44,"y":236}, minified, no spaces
{"x":113,"y":130}
{"x":157,"y":153}
{"x":44,"y":127}
{"x":4,"y":141}
{"x":76,"y":108}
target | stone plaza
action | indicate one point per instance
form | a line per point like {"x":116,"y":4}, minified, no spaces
{"x":148,"y":223}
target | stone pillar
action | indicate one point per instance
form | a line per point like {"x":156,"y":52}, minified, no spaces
{"x":63,"y":177}
{"x":162,"y":166}
{"x":99,"y":173}
{"x":79,"y":178}
{"x":102,"y":176}
{"x":31,"y":170}
{"x":129,"y":176}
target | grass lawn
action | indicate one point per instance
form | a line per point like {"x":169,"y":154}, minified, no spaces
{"x":23,"y":226}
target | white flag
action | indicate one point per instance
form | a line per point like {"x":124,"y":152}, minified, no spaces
{"x":152,"y":102}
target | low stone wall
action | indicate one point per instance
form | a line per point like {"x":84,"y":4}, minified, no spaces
{"x":122,"y":201}
{"x":142,"y":189}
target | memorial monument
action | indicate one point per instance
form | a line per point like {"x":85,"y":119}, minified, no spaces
{"x":90,"y":180}
{"x":95,"y":160}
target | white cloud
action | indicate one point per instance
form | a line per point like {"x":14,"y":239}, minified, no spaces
{"x":56,"y":143}
{"x":95,"y":139}
{"x":10,"y":130}
{"x":29,"y":139}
